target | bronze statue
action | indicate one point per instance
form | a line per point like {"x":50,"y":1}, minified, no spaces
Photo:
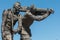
{"x":27,"y":21}
{"x":11,"y":16}
{"x":9,"y":19}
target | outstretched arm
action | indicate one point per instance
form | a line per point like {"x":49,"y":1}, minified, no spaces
{"x":39,"y":17}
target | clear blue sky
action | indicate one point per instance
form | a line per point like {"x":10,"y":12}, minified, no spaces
{"x":48,"y":29}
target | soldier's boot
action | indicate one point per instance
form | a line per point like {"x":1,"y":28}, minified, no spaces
{"x":25,"y":37}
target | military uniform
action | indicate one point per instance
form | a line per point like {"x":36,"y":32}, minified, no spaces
{"x":7,"y":33}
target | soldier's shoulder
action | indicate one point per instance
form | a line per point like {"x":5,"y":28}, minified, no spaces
{"x":6,"y":11}
{"x":9,"y":9}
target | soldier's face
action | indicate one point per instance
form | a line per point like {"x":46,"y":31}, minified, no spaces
{"x":17,"y":6}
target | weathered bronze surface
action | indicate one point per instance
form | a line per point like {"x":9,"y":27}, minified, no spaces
{"x":11,"y":16}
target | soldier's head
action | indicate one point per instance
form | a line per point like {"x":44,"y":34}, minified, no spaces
{"x":17,"y":5}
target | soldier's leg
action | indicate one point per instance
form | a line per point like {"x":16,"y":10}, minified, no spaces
{"x":6,"y":34}
{"x":25,"y":34}
{"x":25,"y":37}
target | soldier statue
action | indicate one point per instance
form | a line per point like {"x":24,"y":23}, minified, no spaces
{"x":9,"y":19}
{"x":11,"y":16}
{"x":27,"y":20}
